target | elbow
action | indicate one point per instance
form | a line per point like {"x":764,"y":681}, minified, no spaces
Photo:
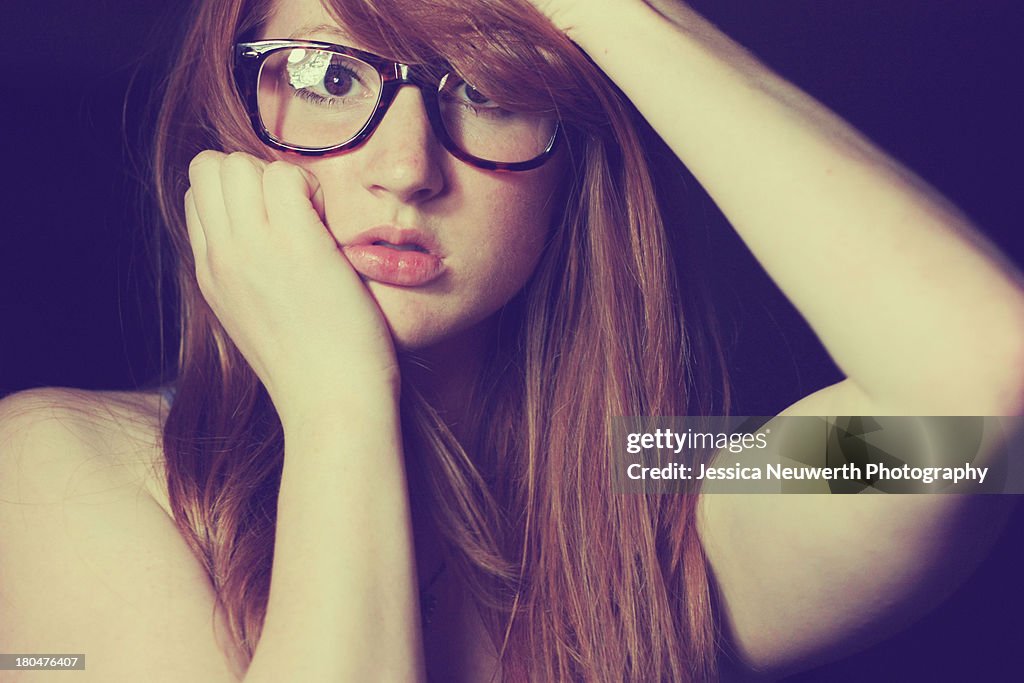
{"x":979,"y":372}
{"x":1008,"y":392}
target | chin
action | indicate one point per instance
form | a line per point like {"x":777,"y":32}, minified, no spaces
{"x":424,"y":324}
{"x":436,"y":337}
{"x":412,"y":341}
{"x":418,"y":328}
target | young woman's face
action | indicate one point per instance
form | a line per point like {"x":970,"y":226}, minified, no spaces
{"x":486,"y":229}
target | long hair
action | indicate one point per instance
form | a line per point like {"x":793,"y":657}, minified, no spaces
{"x":574,"y":581}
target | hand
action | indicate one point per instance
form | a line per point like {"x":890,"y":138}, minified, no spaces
{"x":281,"y":287}
{"x":566,"y":15}
{"x":559,"y":12}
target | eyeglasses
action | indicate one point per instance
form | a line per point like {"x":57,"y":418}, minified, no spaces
{"x":317,"y":98}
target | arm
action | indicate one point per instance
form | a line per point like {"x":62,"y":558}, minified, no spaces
{"x":92,"y":564}
{"x":797,"y":183}
{"x":342,"y":603}
{"x":89,"y":562}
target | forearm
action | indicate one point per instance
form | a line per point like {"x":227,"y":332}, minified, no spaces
{"x":910,"y":302}
{"x":343,"y":605}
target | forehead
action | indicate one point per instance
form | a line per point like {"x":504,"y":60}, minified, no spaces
{"x":302,"y":19}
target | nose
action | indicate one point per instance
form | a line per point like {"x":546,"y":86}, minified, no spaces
{"x":403,"y":157}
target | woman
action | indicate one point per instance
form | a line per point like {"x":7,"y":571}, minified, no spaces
{"x":414,"y":432}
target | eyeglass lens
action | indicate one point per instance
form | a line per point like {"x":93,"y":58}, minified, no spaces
{"x":310,"y":98}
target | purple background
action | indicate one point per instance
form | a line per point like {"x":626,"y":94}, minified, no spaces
{"x":937,"y":83}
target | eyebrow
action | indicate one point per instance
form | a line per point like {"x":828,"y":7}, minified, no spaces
{"x":310,"y":29}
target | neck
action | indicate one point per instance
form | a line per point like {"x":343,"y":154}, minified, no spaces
{"x":446,"y":373}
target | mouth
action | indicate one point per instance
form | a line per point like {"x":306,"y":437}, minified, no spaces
{"x":402,"y":257}
{"x":409,"y":246}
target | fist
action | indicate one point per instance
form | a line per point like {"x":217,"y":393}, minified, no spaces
{"x":279,"y":284}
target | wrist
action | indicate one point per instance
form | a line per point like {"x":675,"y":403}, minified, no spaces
{"x":356,"y":404}
{"x":593,"y":25}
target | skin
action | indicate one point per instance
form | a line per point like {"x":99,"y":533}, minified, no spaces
{"x":796,"y":182}
{"x":266,"y":238}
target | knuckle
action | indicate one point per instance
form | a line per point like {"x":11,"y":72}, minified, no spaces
{"x":204,"y":158}
{"x":239,"y":162}
{"x":278,"y":170}
{"x":282,"y":175}
{"x":284,"y":172}
{"x":215,"y":269}
{"x":203,"y":279}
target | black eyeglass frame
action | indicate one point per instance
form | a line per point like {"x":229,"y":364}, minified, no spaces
{"x":249,"y":59}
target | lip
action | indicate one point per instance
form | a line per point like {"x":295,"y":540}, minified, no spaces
{"x":387,"y":265}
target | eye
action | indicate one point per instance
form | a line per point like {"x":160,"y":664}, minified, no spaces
{"x":465,"y":93}
{"x":338,"y":80}
{"x":474,"y":95}
{"x":319,"y":75}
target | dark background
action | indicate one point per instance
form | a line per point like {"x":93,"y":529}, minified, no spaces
{"x":937,"y":83}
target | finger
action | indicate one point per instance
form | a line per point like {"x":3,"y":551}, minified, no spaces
{"x":204,"y":178}
{"x":196,"y":235}
{"x":317,"y":196}
{"x":289,"y":192}
{"x":241,"y":177}
{"x":197,"y":240}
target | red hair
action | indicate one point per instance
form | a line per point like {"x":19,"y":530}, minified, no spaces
{"x":575,"y":581}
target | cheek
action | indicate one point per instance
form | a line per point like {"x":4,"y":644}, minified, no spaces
{"x":520,"y":225}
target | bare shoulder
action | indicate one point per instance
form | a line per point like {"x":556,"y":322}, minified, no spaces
{"x":91,"y":438}
{"x":90,"y":559}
